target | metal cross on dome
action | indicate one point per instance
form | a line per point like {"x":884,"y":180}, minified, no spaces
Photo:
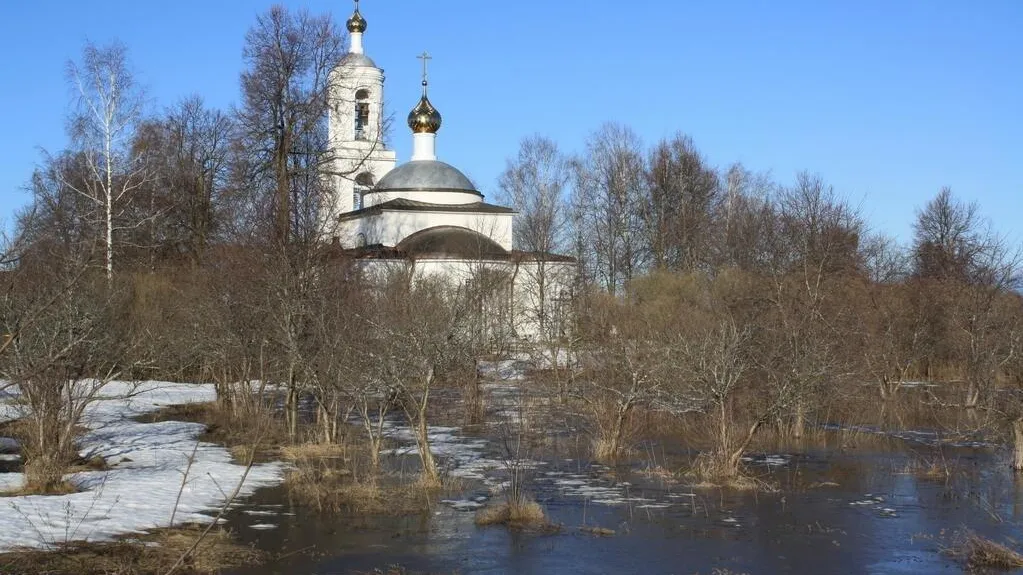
{"x":425,"y":57}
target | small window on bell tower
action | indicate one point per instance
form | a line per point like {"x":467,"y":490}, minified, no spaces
{"x":362,"y":115}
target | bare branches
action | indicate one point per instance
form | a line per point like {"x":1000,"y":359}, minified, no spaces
{"x":109,"y":107}
{"x":285,"y":92}
{"x":610,"y":190}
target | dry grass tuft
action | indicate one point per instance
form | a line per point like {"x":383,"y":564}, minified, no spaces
{"x":150,"y":554}
{"x":43,"y":476}
{"x":311,"y":451}
{"x":659,"y":472}
{"x":928,"y":468}
{"x":329,"y":488}
{"x":237,"y":429}
{"x":980,"y":553}
{"x":517,"y":513}
{"x":607,"y":451}
{"x":712,"y":471}
{"x":33,"y":488}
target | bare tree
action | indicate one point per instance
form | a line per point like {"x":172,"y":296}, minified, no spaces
{"x":109,"y":107}
{"x":609,"y":192}
{"x":625,"y":366}
{"x":63,"y":349}
{"x":536,"y":184}
{"x":285,"y":92}
{"x":60,"y":218}
{"x":678,"y":213}
{"x":894,"y":324}
{"x":746,"y":220}
{"x":815,"y":245}
{"x":982,"y":319}
{"x":188,"y":149}
{"x":968,"y":271}
{"x":947,"y":238}
{"x":715,"y":362}
{"x":419,"y":329}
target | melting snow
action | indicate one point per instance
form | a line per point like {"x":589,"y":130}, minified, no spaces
{"x":463,"y":504}
{"x":148,"y":462}
{"x":768,"y":460}
{"x":262,"y":526}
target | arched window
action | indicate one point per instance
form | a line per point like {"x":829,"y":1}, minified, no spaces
{"x":363,"y":183}
{"x":362,"y":114}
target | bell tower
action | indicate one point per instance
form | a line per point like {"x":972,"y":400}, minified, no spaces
{"x":355,"y":128}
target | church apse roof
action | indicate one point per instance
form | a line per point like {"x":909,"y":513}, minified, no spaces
{"x":451,"y":241}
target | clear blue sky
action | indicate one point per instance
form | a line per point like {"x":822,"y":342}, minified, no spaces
{"x":887,"y":99}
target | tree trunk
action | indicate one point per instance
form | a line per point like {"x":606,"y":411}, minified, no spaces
{"x":109,"y":205}
{"x":1017,"y":444}
{"x":735,"y":458}
{"x":888,"y":388}
{"x":291,"y":405}
{"x":474,"y":399}
{"x":972,"y":395}
{"x":723,"y":440}
{"x":430,"y":473}
{"x":799,"y":421}
{"x":283,"y":215}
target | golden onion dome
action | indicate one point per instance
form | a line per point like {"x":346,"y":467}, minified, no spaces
{"x":424,"y":118}
{"x":357,"y":23}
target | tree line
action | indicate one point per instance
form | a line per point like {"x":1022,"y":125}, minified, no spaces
{"x":725,"y":293}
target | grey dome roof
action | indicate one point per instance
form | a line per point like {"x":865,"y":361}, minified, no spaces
{"x":353,"y":59}
{"x":425,"y":176}
{"x":450,"y":241}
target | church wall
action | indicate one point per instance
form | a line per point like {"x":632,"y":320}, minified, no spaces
{"x":449,"y":198}
{"x":351,"y":163}
{"x":517,"y":308}
{"x":389,"y":228}
{"x":542,"y":297}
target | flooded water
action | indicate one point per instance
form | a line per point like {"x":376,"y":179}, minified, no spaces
{"x":832,"y":511}
{"x":832,"y":514}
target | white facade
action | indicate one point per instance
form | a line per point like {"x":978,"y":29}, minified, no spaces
{"x":389,"y":227}
{"x":355,"y":132}
{"x":426,"y":214}
{"x":532,"y":303}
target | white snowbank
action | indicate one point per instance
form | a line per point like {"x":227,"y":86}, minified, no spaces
{"x":148,"y":462}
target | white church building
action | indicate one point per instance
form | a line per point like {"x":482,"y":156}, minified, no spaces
{"x":426,"y":213}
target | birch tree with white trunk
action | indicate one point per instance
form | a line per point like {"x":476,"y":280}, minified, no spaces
{"x":108,"y":107}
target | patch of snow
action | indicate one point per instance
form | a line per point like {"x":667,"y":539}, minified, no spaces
{"x":262,"y":526}
{"x":912,"y":384}
{"x":462,"y":504}
{"x":768,"y":460}
{"x":505,"y":369}
{"x":924,"y":437}
{"x":137,"y":495}
{"x":259,"y":513}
